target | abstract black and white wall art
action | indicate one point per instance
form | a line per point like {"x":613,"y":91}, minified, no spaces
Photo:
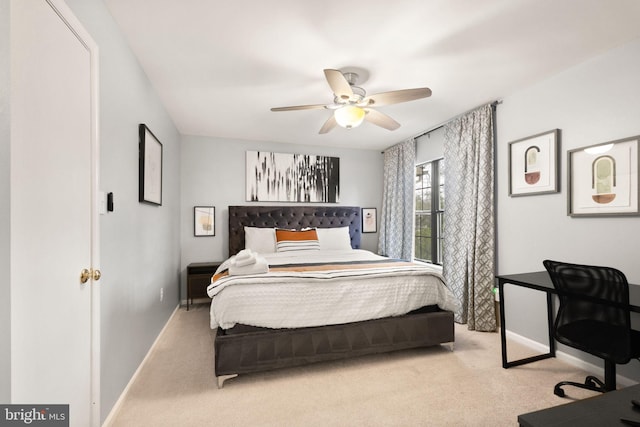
{"x":283,"y":177}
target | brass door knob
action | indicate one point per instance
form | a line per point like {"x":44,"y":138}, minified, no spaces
{"x":87,"y":274}
{"x":84,"y":275}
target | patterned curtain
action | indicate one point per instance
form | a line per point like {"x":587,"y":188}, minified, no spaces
{"x":396,"y":219}
{"x":469,"y":217}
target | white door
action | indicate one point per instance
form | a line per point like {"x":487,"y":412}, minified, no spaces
{"x":54,"y":317}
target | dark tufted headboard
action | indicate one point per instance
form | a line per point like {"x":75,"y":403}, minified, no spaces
{"x":291,"y":217}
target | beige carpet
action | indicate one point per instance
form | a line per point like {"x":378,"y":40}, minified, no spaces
{"x":424,"y":387}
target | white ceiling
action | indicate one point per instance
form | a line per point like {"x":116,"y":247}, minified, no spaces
{"x":219,"y":66}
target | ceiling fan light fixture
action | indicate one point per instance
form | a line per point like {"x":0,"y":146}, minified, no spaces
{"x":349,"y":116}
{"x":351,"y":105}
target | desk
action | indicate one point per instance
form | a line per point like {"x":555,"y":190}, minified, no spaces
{"x":541,"y":281}
{"x":602,"y":410}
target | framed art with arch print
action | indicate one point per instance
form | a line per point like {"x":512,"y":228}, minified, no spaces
{"x":603,"y":179}
{"x":533,"y":164}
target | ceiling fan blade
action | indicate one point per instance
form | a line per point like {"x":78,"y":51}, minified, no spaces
{"x":396,"y":96}
{"x":339,"y":84}
{"x":381,"y":119}
{"x":329,"y":124}
{"x":300,"y":107}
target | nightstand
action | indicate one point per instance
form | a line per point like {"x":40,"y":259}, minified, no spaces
{"x":199,"y":278}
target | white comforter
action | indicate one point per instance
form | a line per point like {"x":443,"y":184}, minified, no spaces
{"x":314,"y":298}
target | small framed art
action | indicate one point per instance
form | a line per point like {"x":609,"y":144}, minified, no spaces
{"x":150,"y":167}
{"x":204,"y":221}
{"x":603,"y":179}
{"x":369,"y":220}
{"x":533,"y":164}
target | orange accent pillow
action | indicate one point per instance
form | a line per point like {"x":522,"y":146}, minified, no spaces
{"x":288,"y":240}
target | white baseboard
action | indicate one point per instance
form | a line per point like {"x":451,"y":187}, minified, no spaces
{"x":568,"y":358}
{"x":116,"y":406}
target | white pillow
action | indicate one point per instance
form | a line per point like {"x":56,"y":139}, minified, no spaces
{"x":334,"y":238}
{"x":261,"y":240}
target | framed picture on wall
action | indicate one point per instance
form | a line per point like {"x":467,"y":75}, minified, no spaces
{"x":603,"y":179}
{"x":533,"y":164}
{"x":369,"y":220}
{"x":150,"y":167}
{"x":285,"y":177}
{"x":204,"y":221}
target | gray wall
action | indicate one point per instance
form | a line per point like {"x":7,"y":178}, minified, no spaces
{"x":594,"y":102}
{"x":140,"y":243}
{"x":213,"y":174}
{"x":5,"y":224}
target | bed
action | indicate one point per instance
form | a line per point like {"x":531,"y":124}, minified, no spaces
{"x":258,"y":345}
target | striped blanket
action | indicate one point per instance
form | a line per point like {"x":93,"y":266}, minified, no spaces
{"x":333,"y":269}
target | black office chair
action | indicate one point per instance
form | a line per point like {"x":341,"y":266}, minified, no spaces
{"x":594,"y":317}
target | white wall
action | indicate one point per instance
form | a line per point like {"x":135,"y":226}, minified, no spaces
{"x":430,"y":146}
{"x":140,"y":243}
{"x":5,"y":223}
{"x":592,"y":103}
{"x":213,"y":174}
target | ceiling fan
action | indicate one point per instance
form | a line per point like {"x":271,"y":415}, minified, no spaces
{"x":351,"y":105}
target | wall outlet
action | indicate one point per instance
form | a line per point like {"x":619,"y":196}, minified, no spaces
{"x":161,"y":294}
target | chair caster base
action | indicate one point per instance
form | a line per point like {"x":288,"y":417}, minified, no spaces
{"x":590,"y":383}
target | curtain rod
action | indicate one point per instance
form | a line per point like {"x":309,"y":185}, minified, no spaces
{"x":493,"y":104}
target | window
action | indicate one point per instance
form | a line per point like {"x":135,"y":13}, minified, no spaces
{"x":429,"y":211}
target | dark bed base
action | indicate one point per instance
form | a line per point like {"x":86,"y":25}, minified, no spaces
{"x":257,"y":349}
{"x":245,"y":349}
